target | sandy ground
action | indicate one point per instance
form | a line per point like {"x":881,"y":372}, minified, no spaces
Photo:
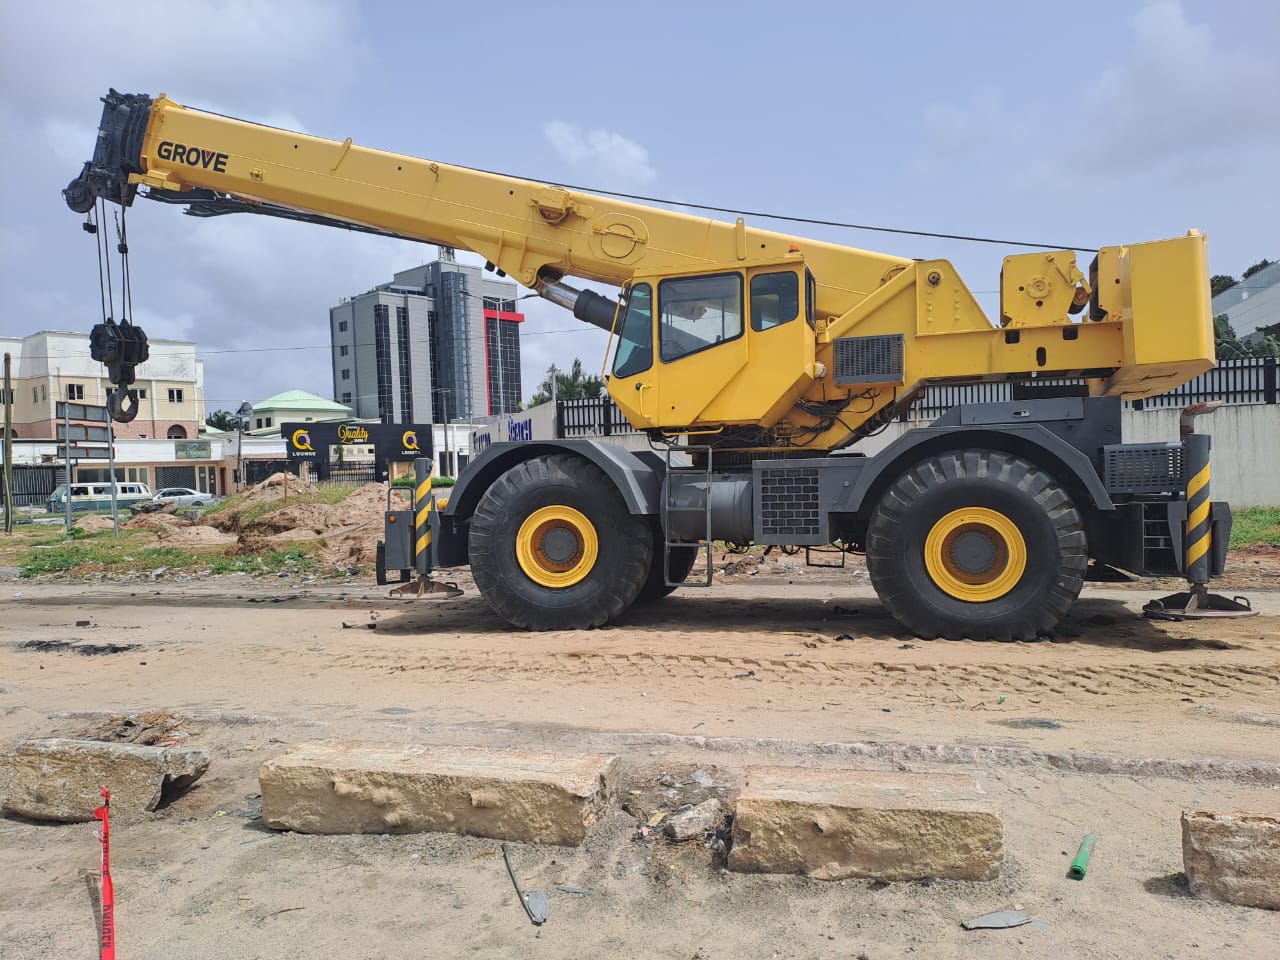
{"x":756,"y":669}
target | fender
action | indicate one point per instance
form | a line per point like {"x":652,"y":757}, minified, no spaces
{"x":1030,"y":440}
{"x":636,"y":477}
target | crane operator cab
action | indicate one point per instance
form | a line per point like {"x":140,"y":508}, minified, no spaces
{"x":686,"y":343}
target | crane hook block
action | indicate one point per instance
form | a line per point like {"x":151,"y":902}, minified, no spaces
{"x":121,"y":347}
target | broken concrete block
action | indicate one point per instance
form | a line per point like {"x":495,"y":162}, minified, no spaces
{"x":832,"y":824}
{"x":58,"y":779}
{"x":1233,"y":857}
{"x":694,"y":822}
{"x":397,"y":788}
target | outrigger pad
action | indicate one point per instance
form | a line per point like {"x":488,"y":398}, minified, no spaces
{"x":426,"y":588}
{"x":1197,"y":604}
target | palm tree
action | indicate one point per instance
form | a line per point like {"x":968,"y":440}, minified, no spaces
{"x":574,"y":385}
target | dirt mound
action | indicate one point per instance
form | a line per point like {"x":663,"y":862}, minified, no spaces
{"x":197,"y":536}
{"x":95,"y":523}
{"x":249,"y":544}
{"x":356,"y":546}
{"x":161,"y":524}
{"x":270,"y":488}
{"x":175,"y":532}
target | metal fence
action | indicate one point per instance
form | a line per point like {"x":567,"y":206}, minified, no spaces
{"x":1255,"y":380}
{"x":1248,"y":381}
{"x":597,"y":417}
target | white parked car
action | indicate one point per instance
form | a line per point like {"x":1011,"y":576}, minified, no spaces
{"x":183,"y":497}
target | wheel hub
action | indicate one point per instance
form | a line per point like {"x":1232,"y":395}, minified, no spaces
{"x":975,"y":554}
{"x":557,"y":546}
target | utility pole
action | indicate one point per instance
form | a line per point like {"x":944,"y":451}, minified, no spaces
{"x":555,"y":406}
{"x":111,"y":469}
{"x":8,"y":445}
{"x":66,"y":440}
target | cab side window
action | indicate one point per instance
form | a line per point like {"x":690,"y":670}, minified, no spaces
{"x":775,"y":299}
{"x":635,"y":341}
{"x":698,"y":312}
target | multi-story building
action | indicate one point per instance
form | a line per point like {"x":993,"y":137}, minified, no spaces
{"x":51,"y":366}
{"x":439,"y":342}
{"x":1252,"y":305}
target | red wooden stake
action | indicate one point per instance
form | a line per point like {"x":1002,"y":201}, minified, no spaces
{"x":107,"y":949}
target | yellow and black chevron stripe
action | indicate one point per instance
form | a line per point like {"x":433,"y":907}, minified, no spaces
{"x":1197,"y":517}
{"x":422,"y":515}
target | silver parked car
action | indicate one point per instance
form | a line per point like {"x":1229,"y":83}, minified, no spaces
{"x":183,"y":497}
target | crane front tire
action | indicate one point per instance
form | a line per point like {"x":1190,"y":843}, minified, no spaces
{"x":977,"y":544}
{"x":554,"y":547}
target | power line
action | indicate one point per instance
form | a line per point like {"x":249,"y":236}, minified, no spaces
{"x":201,"y":353}
{"x":788,"y":218}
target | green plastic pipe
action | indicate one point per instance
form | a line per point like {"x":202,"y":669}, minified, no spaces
{"x":1081,"y":863}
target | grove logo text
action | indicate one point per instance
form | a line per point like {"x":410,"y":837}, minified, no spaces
{"x":192,"y":156}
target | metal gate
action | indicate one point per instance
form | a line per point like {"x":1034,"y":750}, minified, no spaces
{"x":364,"y":472}
{"x":255,"y":471}
{"x":33,"y":484}
{"x":175,"y":477}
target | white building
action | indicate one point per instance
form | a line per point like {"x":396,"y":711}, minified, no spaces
{"x":50,"y":366}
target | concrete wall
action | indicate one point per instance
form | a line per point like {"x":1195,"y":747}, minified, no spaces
{"x":1246,"y":448}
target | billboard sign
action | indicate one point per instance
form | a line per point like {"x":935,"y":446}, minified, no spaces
{"x":391,"y":442}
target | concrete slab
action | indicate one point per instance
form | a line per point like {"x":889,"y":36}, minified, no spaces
{"x":58,"y":779}
{"x":396,"y":788}
{"x":1233,"y":857}
{"x":833,"y":824}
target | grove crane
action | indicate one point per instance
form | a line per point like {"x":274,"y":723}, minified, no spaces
{"x":758,"y":359}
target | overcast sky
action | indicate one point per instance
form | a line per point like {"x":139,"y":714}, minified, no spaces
{"x":1094,"y":123}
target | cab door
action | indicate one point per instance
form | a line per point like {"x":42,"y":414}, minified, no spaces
{"x":701,"y":349}
{"x":702,"y":343}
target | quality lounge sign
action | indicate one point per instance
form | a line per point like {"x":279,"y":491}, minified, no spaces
{"x":390,"y":441}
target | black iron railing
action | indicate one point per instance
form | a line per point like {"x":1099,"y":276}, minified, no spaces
{"x":1250,"y":381}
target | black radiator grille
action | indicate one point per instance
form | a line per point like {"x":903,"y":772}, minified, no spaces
{"x":868,"y":359}
{"x":789,"y":502}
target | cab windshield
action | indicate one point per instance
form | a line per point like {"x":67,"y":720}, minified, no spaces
{"x":635,"y":341}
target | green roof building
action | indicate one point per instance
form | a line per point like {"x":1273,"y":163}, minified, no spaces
{"x":294,"y":406}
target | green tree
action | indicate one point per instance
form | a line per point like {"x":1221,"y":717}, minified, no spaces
{"x":1219,"y":282}
{"x":1260,"y":265}
{"x":1230,"y":348}
{"x":221,"y":420}
{"x":574,"y":385}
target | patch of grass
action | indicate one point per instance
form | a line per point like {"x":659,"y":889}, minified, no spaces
{"x":328,"y":493}
{"x":89,"y":553}
{"x":53,"y":559}
{"x":132,"y":554}
{"x":1253,"y":525}
{"x":292,"y":560}
{"x":334,"y":492}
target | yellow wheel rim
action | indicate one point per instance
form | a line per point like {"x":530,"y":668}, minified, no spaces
{"x":975,"y":554}
{"x":557,"y":546}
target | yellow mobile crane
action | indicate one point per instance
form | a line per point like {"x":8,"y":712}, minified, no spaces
{"x":761,"y":358}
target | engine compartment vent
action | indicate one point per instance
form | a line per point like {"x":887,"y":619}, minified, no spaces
{"x":875,"y":359}
{"x":1143,"y":467}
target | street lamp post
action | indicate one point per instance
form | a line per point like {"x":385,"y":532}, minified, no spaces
{"x":242,"y":414}
{"x":444,"y":408}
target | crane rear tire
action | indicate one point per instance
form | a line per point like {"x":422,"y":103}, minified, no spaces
{"x":554,"y":547}
{"x":977,"y":544}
